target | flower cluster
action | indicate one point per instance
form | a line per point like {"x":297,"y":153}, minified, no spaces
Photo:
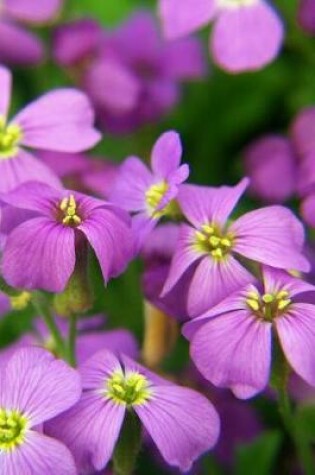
{"x":226,"y":286}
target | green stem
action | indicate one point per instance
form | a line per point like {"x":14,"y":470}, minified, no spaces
{"x":128,"y":445}
{"x":302,"y":445}
{"x":43,"y":310}
{"x":72,"y":340}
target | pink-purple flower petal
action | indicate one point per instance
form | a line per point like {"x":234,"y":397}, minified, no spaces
{"x":234,"y":351}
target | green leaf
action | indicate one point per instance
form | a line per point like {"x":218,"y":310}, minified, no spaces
{"x":259,"y":456}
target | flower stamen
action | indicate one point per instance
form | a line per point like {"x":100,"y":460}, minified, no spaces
{"x":212,"y":240}
{"x":10,"y":136}
{"x":130,"y":389}
{"x":13,"y":426}
{"x":69,"y":208}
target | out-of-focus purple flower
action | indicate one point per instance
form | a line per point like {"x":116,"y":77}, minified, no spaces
{"x":308,"y":210}
{"x":306,"y":175}
{"x":4,"y":304}
{"x":90,"y":339}
{"x":306,"y":15}
{"x":83,"y":173}
{"x":241,"y":326}
{"x":77,"y":42}
{"x":61,"y":121}
{"x":302,"y":132}
{"x":157,"y":254}
{"x":131,"y":74}
{"x":17,"y":45}
{"x":150,"y":194}
{"x":247,"y":34}
{"x":34,"y":387}
{"x":270,"y":235}
{"x":266,"y":160}
{"x":40,"y":253}
{"x":182,"y":423}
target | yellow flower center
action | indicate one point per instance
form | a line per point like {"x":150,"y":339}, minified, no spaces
{"x":20,"y":301}
{"x":268,"y":306}
{"x":13,"y":426}
{"x":212,"y":240}
{"x":153,"y":197}
{"x":131,"y":389}
{"x":10,"y":136}
{"x":70,"y":216}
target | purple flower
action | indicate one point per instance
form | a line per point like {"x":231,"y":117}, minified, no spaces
{"x":157,"y":254}
{"x":308,"y":209}
{"x":75,"y":42}
{"x":132,"y":76}
{"x":17,"y":45}
{"x":247,"y":34}
{"x":303,"y":132}
{"x":84,"y":173}
{"x":306,"y":15}
{"x":270,"y":235}
{"x":242,"y":326}
{"x":40,"y":253}
{"x":266,"y":160}
{"x":89,"y":339}
{"x":150,"y":194}
{"x":182,"y":423}
{"x":34,"y":387}
{"x":61,"y":121}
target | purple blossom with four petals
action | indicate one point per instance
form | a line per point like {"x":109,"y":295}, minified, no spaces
{"x":40,"y":253}
{"x":270,"y":235}
{"x":149,"y":194}
{"x":61,"y":121}
{"x":241,"y":326}
{"x":182,"y":423}
{"x":17,"y":45}
{"x":34,"y":387}
{"x":247,"y":34}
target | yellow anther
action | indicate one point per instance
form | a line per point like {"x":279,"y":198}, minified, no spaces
{"x":214,"y":241}
{"x":253,"y":295}
{"x":283,"y":294}
{"x":10,"y":136}
{"x":68,"y":206}
{"x":282,"y":304}
{"x":217,"y":253}
{"x":20,"y":301}
{"x":208,"y":229}
{"x":253,"y":304}
{"x":226,"y":242}
{"x":268,"y":298}
{"x":202,"y":237}
{"x":130,"y":389}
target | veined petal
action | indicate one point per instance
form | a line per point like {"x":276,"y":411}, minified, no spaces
{"x":38,"y":455}
{"x":296,"y":331}
{"x":32,"y":11}
{"x":182,"y":423}
{"x":202,"y":205}
{"x":34,"y":196}
{"x":90,"y":429}
{"x":60,"y":120}
{"x":39,"y":254}
{"x":19,"y":46}
{"x":246,"y":38}
{"x":39,"y":385}
{"x":182,"y":17}
{"x":98,"y":368}
{"x":234,"y":302}
{"x":213,"y":281}
{"x":234,"y":351}
{"x":22,"y":168}
{"x":271,"y":235}
{"x":166,"y":154}
{"x":276,"y":280}
{"x":111,"y":239}
{"x":133,"y":180}
{"x":185,"y":255}
{"x":5,"y":88}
